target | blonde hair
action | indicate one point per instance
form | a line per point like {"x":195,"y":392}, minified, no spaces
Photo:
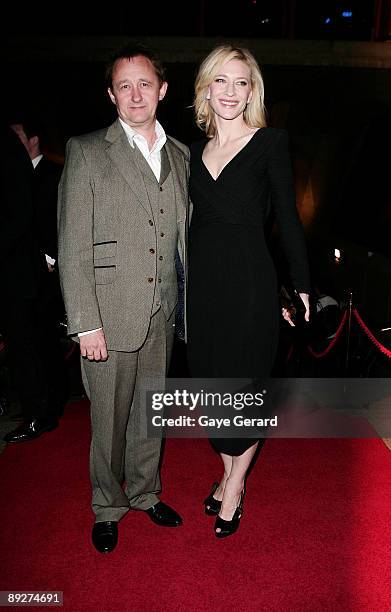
{"x":254,"y":114}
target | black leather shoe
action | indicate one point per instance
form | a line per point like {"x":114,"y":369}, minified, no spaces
{"x":212,"y":505}
{"x":30,"y":429}
{"x":161,"y":514}
{"x":105,"y":536}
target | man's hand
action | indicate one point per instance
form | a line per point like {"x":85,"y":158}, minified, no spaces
{"x":93,"y":346}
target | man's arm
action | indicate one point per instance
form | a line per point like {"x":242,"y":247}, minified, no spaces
{"x":75,"y":246}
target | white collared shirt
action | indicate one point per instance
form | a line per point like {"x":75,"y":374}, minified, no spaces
{"x":35,"y":161}
{"x":152,"y":156}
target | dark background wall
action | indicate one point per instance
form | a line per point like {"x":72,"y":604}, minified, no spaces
{"x":334,"y":98}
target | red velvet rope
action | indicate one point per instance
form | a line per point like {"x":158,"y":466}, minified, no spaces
{"x":370,"y":335}
{"x":333,"y":341}
{"x":384,"y":350}
{"x":289,"y":355}
{"x":70,"y":351}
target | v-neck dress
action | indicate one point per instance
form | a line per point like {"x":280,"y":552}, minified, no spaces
{"x":233,"y":309}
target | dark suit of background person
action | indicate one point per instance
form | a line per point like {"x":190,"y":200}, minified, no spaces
{"x":46,"y":178}
{"x":119,"y":227}
{"x":23,"y":317}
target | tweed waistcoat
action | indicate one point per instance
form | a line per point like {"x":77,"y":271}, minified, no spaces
{"x":161,"y":196}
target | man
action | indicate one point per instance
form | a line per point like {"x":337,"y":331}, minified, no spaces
{"x":46,"y":178}
{"x":27,"y":322}
{"x":122,"y":214}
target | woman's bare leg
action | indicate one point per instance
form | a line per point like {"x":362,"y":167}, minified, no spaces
{"x":234,"y":483}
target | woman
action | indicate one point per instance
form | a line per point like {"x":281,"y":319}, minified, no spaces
{"x":233,"y":301}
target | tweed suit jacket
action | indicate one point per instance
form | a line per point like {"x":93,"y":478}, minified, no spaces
{"x":105,"y":231}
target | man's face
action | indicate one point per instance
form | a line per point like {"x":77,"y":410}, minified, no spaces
{"x":136,"y":91}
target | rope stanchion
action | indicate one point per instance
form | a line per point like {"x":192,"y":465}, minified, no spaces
{"x":333,"y":341}
{"x":350,"y":311}
{"x":370,"y":335}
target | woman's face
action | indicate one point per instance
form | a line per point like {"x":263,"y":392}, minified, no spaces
{"x":230,"y":90}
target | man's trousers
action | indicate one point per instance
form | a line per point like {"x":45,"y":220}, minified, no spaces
{"x":120,"y":450}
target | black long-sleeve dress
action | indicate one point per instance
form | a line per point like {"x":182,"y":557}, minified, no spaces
{"x":233,"y":310}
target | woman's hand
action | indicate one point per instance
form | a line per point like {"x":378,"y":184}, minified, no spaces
{"x":306,"y":299}
{"x":288,"y":313}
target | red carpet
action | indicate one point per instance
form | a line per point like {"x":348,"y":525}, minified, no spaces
{"x":315,"y":535}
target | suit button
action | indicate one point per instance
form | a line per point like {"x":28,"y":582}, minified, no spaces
{"x":159,"y":280}
{"x":150,"y":222}
{"x":162,"y":210}
{"x":161,"y":188}
{"x":152,"y":251}
{"x":150,"y":279}
{"x":162,"y":234}
{"x":161,"y":257}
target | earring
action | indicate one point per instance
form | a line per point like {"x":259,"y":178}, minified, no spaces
{"x":208,"y":96}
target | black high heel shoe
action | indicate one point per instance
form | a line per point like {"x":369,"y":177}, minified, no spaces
{"x":227,"y":528}
{"x":212,"y":505}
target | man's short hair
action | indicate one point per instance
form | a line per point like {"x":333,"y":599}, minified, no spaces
{"x":129,"y":51}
